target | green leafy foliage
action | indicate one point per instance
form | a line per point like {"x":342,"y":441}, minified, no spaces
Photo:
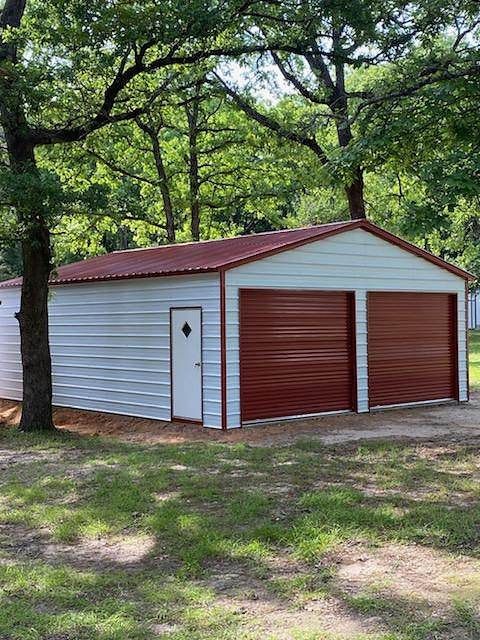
{"x":418,"y":146}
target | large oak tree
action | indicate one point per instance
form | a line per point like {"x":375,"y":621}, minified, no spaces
{"x":68,"y":69}
{"x":326,"y":43}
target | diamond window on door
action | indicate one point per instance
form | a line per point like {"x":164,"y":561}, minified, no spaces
{"x":186,"y":329}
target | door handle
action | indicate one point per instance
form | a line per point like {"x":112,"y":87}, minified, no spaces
{"x":197,"y":364}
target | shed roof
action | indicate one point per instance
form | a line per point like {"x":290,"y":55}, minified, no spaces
{"x":215,"y":255}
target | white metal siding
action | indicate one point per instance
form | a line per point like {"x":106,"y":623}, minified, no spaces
{"x":110,"y":344}
{"x":355,"y":261}
{"x":10,"y":364}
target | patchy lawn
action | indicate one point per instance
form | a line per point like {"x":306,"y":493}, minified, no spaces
{"x":178,"y":533}
{"x":114,"y":541}
{"x":474,"y":357}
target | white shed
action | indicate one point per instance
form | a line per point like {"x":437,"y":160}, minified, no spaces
{"x":338,"y":317}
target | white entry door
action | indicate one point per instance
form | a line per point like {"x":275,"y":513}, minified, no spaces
{"x":186,"y":341}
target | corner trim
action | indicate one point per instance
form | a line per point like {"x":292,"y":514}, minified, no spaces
{"x":467,"y":345}
{"x":223,"y":351}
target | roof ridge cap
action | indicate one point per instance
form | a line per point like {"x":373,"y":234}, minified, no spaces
{"x":245,"y":236}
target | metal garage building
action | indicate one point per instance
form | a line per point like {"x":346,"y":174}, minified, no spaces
{"x":338,"y":317}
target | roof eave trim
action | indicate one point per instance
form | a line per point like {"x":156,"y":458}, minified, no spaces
{"x":137,"y":276}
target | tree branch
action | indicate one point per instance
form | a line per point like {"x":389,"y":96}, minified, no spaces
{"x":74,"y":134}
{"x":428,"y":79}
{"x":319,"y":67}
{"x":272,"y":124}
{"x":10,"y":16}
{"x":117,"y":169}
{"x":123,"y":78}
{"x":290,"y":77}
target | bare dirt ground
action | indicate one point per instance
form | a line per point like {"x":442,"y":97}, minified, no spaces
{"x":398,"y":582}
{"x":460,"y":422}
{"x":404,"y":580}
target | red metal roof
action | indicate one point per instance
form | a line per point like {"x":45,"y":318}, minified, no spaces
{"x":212,"y":255}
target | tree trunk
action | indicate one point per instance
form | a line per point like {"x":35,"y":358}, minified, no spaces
{"x":153,"y":134}
{"x":164,"y":188}
{"x":36,"y":256}
{"x":193,"y":168}
{"x":33,"y":320}
{"x":33,"y":314}
{"x":194,"y":207}
{"x":339,"y":107}
{"x":353,"y":190}
{"x":356,"y":202}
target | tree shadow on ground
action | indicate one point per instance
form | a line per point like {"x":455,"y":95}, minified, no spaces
{"x":120,"y":541}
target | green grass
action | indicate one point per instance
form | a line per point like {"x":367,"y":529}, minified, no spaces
{"x":220,"y":524}
{"x":474,"y":357}
{"x":206,"y":511}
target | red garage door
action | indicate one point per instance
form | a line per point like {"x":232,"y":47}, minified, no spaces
{"x":296,"y":352}
{"x":412,"y":347}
